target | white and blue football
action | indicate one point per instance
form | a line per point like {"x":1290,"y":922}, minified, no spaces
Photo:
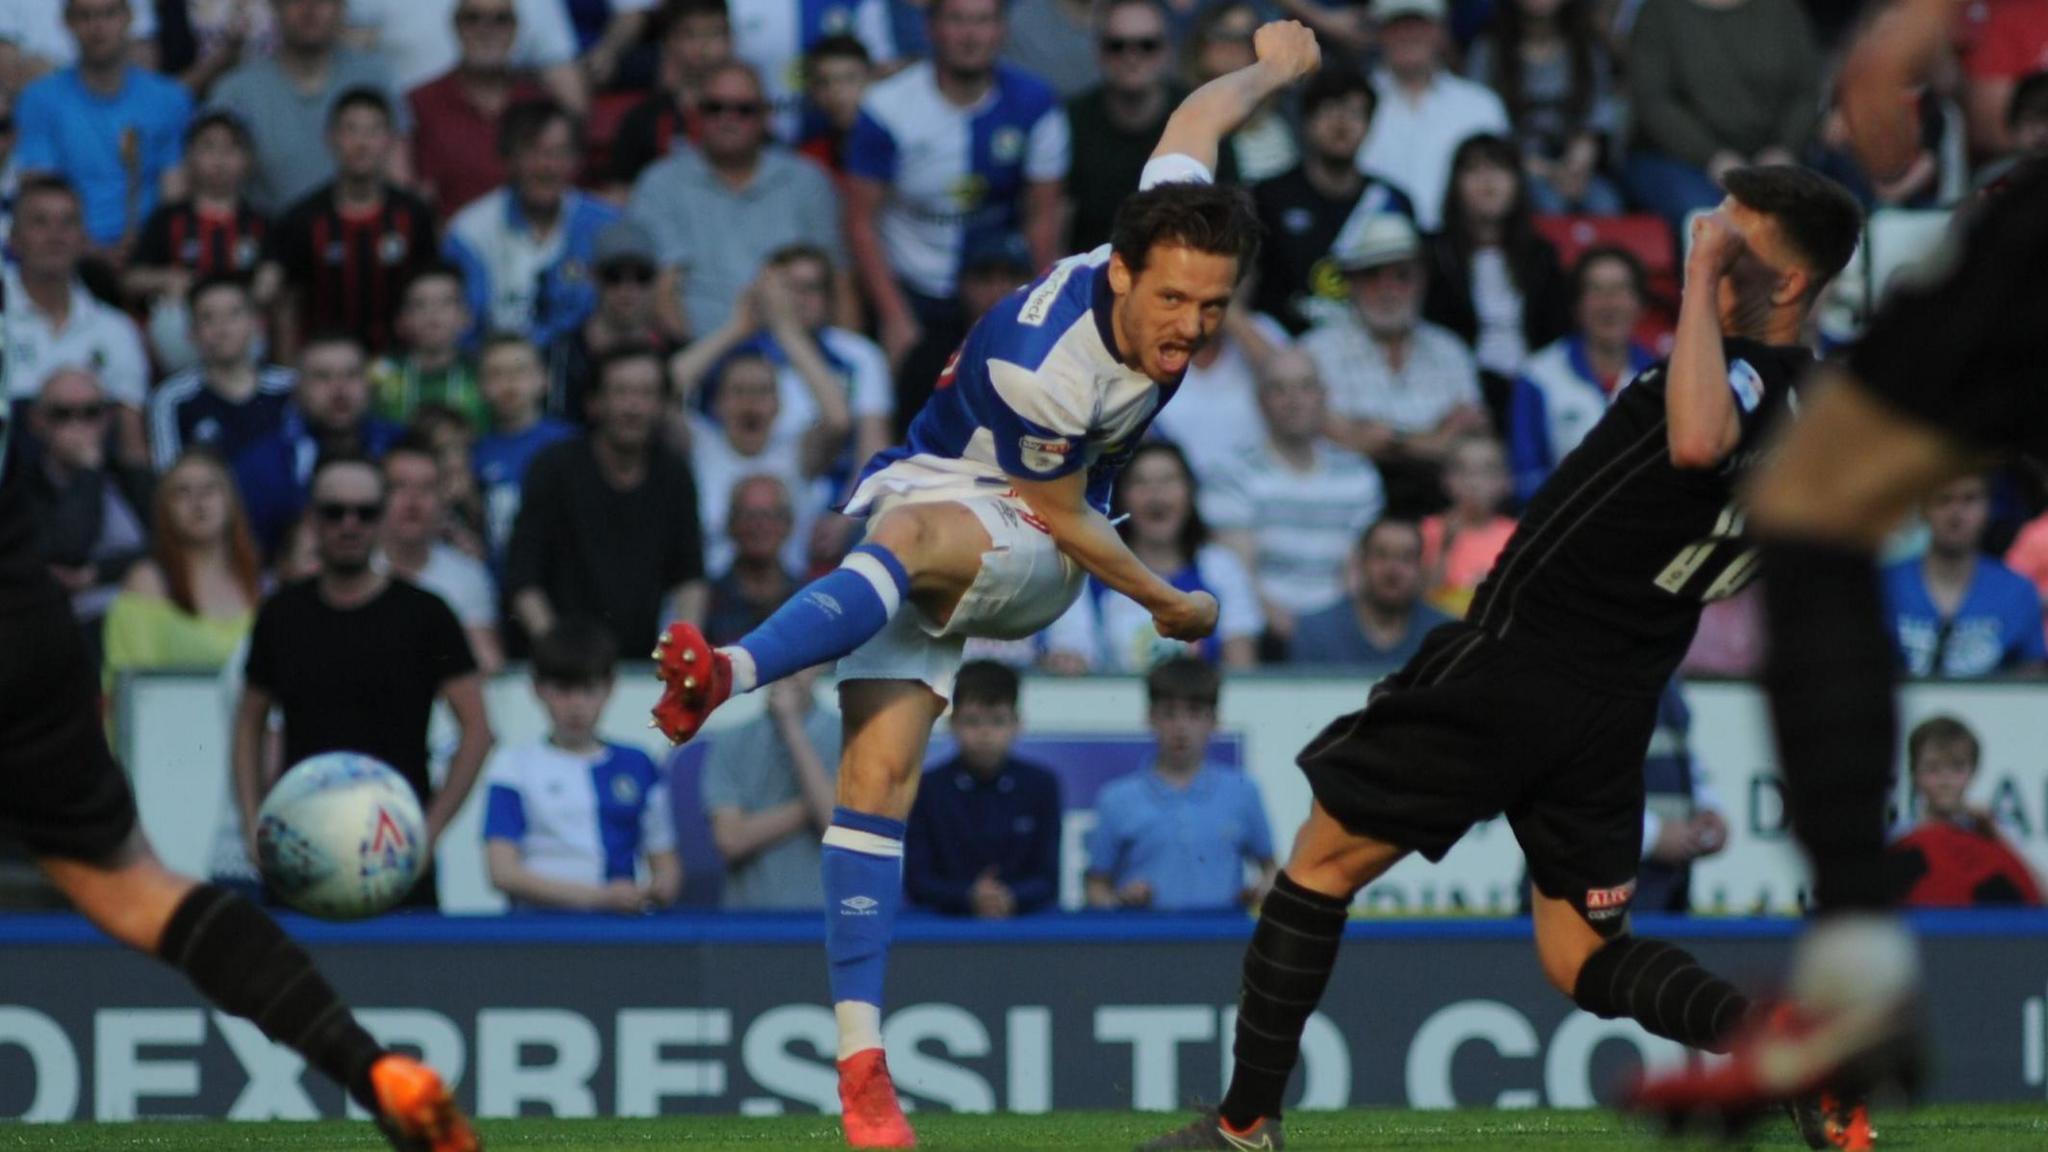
{"x":341,"y":837}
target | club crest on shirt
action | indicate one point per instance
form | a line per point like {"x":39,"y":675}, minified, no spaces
{"x":1006,"y":144}
{"x":1043,"y":454}
{"x":625,"y":790}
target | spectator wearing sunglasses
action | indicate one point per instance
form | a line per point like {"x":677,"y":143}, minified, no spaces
{"x":719,"y":210}
{"x":623,"y":267}
{"x":455,"y":116}
{"x":526,"y":248}
{"x":1116,"y":123}
{"x":88,"y":510}
{"x":382,"y":652}
{"x":329,"y":416}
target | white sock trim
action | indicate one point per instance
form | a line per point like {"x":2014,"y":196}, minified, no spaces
{"x":865,"y":843}
{"x":745,"y":676}
{"x":860,"y":1026}
{"x":877,"y":575}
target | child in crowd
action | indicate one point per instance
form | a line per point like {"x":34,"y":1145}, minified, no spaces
{"x":1176,"y":835}
{"x":1460,"y":545}
{"x":453,"y":441}
{"x":513,"y":382}
{"x":837,"y":71}
{"x":432,"y":317}
{"x":1954,"y":857}
{"x":571,"y":818}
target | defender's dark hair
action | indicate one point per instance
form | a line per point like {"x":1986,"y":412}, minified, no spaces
{"x":1817,"y":216}
{"x":1638,"y":276}
{"x":525,"y":120}
{"x":2029,"y":99}
{"x":1946,"y":731}
{"x":985,"y":682}
{"x":1205,"y":217}
{"x":1183,"y":679}
{"x":578,"y":651}
{"x":361,"y":96}
{"x":1337,"y":79}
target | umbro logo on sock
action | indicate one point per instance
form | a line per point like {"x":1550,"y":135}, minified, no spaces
{"x":826,"y":602}
{"x":858,"y":906}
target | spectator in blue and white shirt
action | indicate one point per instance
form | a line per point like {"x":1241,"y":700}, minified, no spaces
{"x":573,"y":821}
{"x":1956,"y":611}
{"x":510,"y":377}
{"x":773,"y":35}
{"x":229,"y":400}
{"x":1565,"y":387}
{"x":526,"y":249}
{"x":945,"y":152}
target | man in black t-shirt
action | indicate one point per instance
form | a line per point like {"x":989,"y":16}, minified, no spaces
{"x":607,"y":521}
{"x":1541,"y":703}
{"x":1306,"y":207}
{"x":1114,"y":125}
{"x":355,"y":661}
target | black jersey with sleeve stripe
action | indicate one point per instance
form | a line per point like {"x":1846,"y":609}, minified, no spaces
{"x":1618,"y":551}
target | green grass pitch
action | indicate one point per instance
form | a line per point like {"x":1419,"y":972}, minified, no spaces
{"x":1949,"y":1129}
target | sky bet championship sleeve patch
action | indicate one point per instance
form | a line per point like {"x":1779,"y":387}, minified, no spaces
{"x":1043,"y":453}
{"x":1748,"y":386}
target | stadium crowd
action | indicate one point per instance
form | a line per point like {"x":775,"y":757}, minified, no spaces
{"x":579,"y":315}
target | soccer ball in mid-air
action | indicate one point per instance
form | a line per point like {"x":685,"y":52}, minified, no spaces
{"x":341,"y":836}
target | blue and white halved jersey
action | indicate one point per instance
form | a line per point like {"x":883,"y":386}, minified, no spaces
{"x":1036,"y":391}
{"x":955,"y":175}
{"x":585,"y":819}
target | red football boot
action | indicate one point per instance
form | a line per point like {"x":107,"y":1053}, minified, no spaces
{"x":869,"y":1113}
{"x":418,"y":1113}
{"x":696,"y":679}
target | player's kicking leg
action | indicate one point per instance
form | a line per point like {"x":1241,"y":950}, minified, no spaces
{"x":925,"y":553}
{"x":239,"y":959}
{"x":1848,"y":472}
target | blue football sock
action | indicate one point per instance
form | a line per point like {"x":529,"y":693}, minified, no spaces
{"x":863,"y":886}
{"x":828,"y":618}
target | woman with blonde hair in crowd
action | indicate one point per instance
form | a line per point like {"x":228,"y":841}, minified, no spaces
{"x":190,"y":602}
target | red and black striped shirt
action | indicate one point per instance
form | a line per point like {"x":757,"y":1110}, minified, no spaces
{"x":181,"y":235}
{"x":349,"y":268}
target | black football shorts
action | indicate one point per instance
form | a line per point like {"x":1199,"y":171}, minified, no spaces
{"x":1961,"y":342}
{"x":1473,"y":727}
{"x":61,"y":793}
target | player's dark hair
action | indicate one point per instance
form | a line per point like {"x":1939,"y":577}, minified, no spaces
{"x":361,"y":96}
{"x":1194,"y":533}
{"x":415,"y":441}
{"x":434,"y":270}
{"x":1817,"y":216}
{"x":1183,"y":679}
{"x":2029,"y":100}
{"x":577,"y":652}
{"x":838,"y":46}
{"x":1337,"y":80}
{"x":1946,"y":731}
{"x":525,"y":120}
{"x":985,"y":682}
{"x":1209,"y":218}
{"x":1638,"y":276}
{"x":601,"y":371}
{"x":217,"y":282}
{"x":223,"y":119}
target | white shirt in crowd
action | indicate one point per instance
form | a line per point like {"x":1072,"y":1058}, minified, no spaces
{"x":1214,"y":416}
{"x":94,"y":336}
{"x":1502,"y":347}
{"x":417,"y":37}
{"x":1303,"y":523}
{"x":719,"y":468}
{"x":460,"y":580}
{"x":1439,"y":375}
{"x":1412,"y":141}
{"x":1115,"y":635}
{"x":563,"y":812}
{"x":863,"y":366}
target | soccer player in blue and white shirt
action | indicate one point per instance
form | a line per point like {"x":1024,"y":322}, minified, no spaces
{"x":945,"y":154}
{"x":569,"y":818}
{"x":986,"y":523}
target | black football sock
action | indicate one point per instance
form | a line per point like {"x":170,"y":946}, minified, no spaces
{"x":1286,"y":968}
{"x":242,"y":961}
{"x":1661,"y":987}
{"x":1830,"y":673}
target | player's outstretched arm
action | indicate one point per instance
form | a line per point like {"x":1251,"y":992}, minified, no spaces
{"x":1702,"y":424}
{"x":1086,"y":535}
{"x":1286,"y":52}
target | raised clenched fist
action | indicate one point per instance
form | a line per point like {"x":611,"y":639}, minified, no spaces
{"x":1288,"y":45}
